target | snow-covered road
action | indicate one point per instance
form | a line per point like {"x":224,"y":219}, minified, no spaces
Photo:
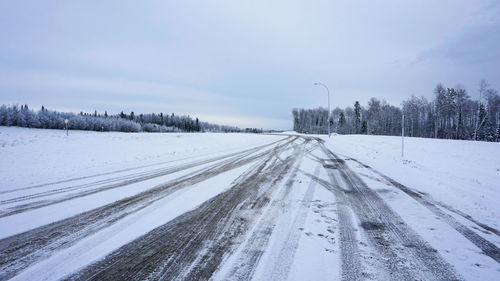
{"x":224,"y":207}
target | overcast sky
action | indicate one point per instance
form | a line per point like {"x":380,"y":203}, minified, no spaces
{"x":243,"y":63}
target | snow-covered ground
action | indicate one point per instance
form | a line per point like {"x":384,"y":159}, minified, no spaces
{"x":462,"y":174}
{"x":246,"y":206}
{"x":36,"y":156}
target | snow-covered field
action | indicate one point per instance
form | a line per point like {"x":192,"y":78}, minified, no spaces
{"x":245,"y":206}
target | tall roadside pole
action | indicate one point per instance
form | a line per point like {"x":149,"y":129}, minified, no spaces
{"x":403,"y":137}
{"x":328,"y":92}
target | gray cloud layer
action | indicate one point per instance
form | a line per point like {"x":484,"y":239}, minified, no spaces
{"x":243,"y":63}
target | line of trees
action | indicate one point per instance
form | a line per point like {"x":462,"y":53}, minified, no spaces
{"x":451,"y":114}
{"x":23,"y":116}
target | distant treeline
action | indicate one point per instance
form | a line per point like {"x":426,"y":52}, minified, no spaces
{"x":452,"y":114}
{"x":23,"y":116}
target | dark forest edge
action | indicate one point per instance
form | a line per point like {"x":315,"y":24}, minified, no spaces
{"x":23,"y":116}
{"x":452,"y":114}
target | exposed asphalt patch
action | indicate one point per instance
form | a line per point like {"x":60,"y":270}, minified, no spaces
{"x":368,"y":225}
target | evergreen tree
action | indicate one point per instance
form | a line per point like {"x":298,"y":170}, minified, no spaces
{"x":197,"y":125}
{"x":357,"y":117}
{"x":341,"y":119}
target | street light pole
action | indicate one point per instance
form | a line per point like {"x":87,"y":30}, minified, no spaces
{"x":328,"y":91}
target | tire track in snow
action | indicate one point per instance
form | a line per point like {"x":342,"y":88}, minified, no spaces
{"x":349,"y":252}
{"x":486,"y":246}
{"x":246,"y":258}
{"x":123,"y":170}
{"x":284,"y":261}
{"x":19,"y":251}
{"x":401,"y":251}
{"x":132,"y":179}
{"x":195,"y":244}
{"x":351,"y":267}
{"x":192,"y":246}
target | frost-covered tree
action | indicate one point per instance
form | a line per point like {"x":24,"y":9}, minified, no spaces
{"x":451,"y":114}
{"x":23,"y":116}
